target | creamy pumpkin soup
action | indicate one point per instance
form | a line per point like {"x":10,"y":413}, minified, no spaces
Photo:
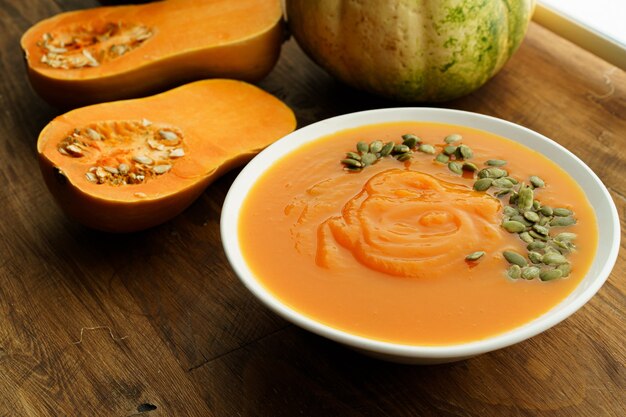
{"x":418,"y":233}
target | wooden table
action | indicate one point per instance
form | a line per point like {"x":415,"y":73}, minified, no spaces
{"x":157,"y":323}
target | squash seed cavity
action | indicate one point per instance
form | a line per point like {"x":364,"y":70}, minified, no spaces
{"x":124,"y":152}
{"x":89,"y":45}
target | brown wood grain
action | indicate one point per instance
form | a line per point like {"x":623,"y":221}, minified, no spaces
{"x":156,"y":322}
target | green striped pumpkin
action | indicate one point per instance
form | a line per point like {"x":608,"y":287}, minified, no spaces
{"x":410,"y":50}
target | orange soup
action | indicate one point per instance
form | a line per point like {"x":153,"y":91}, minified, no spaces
{"x":410,"y":251}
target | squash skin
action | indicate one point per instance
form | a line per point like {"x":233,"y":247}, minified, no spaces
{"x":226,"y":123}
{"x":429,"y":51}
{"x":174,"y":55}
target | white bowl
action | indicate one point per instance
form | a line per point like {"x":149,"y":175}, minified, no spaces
{"x":605,"y":211}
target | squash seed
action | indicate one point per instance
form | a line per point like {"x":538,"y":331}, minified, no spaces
{"x":474,"y":256}
{"x":514,"y":272}
{"x":513,"y":226}
{"x":401,"y":149}
{"x":142,"y":159}
{"x":526,"y":237}
{"x":168,"y":135}
{"x":123,"y":168}
{"x":386,"y":150}
{"x":562,"y":221}
{"x":362,"y":147}
{"x":449,"y":150}
{"x":376,"y":146}
{"x":553,"y":258}
{"x":368,"y":159}
{"x":483,"y":184}
{"x":464,"y":152}
{"x":455,"y":167}
{"x":352,"y":163}
{"x":177,"y":153}
{"x":443,"y":158}
{"x":515,"y":258}
{"x":565,"y":269}
{"x":161,"y":169}
{"x":530,"y":272}
{"x":470,"y":167}
{"x":546,"y":211}
{"x":562,"y":212}
{"x":550,"y":274}
{"x":536,"y":245}
{"x":495,"y":162}
{"x":502,"y":183}
{"x":425,"y":148}
{"x":455,"y":137}
{"x":411,"y":142}
{"x":542,"y":230}
{"x":404,"y":157}
{"x":531,"y":216}
{"x":536,"y":181}
{"x":411,"y":137}
{"x":535,"y":257}
{"x":565,"y":236}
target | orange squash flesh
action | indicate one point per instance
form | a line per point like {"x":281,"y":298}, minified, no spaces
{"x":223,"y":123}
{"x":186,"y":40}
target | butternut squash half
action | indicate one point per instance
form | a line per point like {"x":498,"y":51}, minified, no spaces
{"x":130,"y":165}
{"x":118,"y":52}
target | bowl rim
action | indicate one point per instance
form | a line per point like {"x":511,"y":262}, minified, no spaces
{"x":259,"y":164}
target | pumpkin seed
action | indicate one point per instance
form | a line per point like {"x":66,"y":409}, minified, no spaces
{"x":550,"y":274}
{"x":565,"y":269}
{"x":410,"y":142}
{"x":536,"y":235}
{"x":161,"y":169}
{"x":544,"y":221}
{"x":502,"y":183}
{"x":513,"y":180}
{"x":531,"y":216}
{"x":513,"y":226}
{"x":565,"y":236}
{"x":464,"y":152}
{"x":429,"y":149}
{"x":542,"y":230}
{"x":455,"y":137}
{"x":514,"y":197}
{"x":535,"y":245}
{"x":142,"y":159}
{"x":93,"y":134}
{"x":411,"y":137}
{"x":502,"y":193}
{"x":525,"y":199}
{"x":470,"y":167}
{"x":449,"y":150}
{"x":535,"y":257}
{"x":386,"y":150}
{"x":404,"y":157}
{"x":514,"y":272}
{"x":352,"y":163}
{"x":111,"y":170}
{"x":527,"y":238}
{"x":536,"y":181}
{"x":168,"y":135}
{"x":401,"y":149}
{"x":546,"y":211}
{"x":515,"y":258}
{"x":510,"y":211}
{"x":376,"y":146}
{"x":362,"y":147}
{"x":74,"y":150}
{"x":474,"y":256}
{"x":553,"y":258}
{"x":492,"y":173}
{"x":495,"y":162}
{"x":353,"y":155}
{"x":562,"y":212}
{"x":483,"y":184}
{"x":123,"y":168}
{"x":562,"y":221}
{"x":443,"y":158}
{"x":455,"y":167}
{"x":522,"y":220}
{"x":368,"y":159}
{"x":91,"y":177}
{"x":530,"y":272}
{"x":536,"y":205}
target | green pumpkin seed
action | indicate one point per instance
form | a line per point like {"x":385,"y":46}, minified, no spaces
{"x":542,"y":230}
{"x":496,"y":162}
{"x":514,"y":272}
{"x":468,"y":166}
{"x":553,"y":258}
{"x":536,"y":205}
{"x":530,"y":272}
{"x":513,"y":180}
{"x":522,"y":220}
{"x":514,"y":258}
{"x":376,"y":146}
{"x":483,"y":184}
{"x":526,"y":237}
{"x":351,"y":163}
{"x":565,"y":236}
{"x":535,"y":257}
{"x":551,"y":249}
{"x":353,"y":155}
{"x":565,"y":269}
{"x":525,"y":199}
{"x":409,"y":136}
{"x":546,"y":211}
{"x":368,"y":159}
{"x":464,"y":152}
{"x":562,"y":212}
{"x":455,"y":137}
{"x":550,"y":274}
{"x":410,"y":142}
{"x":510,"y":211}
{"x":404,"y":156}
{"x":562,"y":221}
{"x":386,"y":150}
{"x":502,"y":193}
{"x":563,"y":246}
{"x":362,"y":147}
{"x":535,"y":245}
{"x":449,"y":150}
{"x":492,"y":173}
{"x":429,"y":149}
{"x":531,"y":216}
{"x":536,"y":235}
{"x":474,"y":256}
{"x":502,"y":183}
{"x":537,"y":182}
{"x":443,"y":158}
{"x":543,"y":221}
{"x":513,"y":226}
{"x":399,"y":149}
{"x":514,"y":197}
{"x":455,"y":167}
